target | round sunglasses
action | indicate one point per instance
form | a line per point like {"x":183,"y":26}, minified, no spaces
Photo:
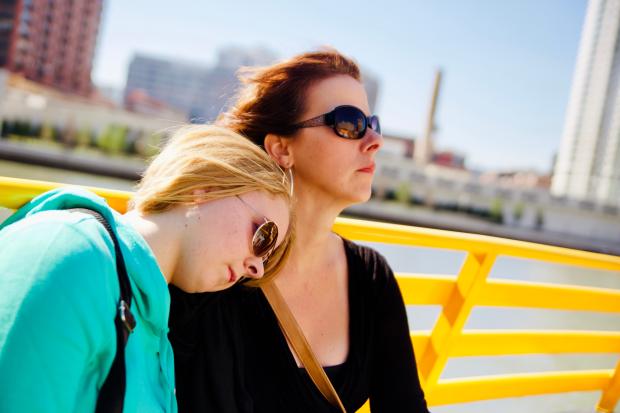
{"x":348,"y":122}
{"x":265,"y":235}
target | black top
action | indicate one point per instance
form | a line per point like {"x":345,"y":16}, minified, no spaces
{"x":231,"y":357}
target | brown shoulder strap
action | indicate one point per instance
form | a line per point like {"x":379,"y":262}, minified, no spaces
{"x":300,"y":345}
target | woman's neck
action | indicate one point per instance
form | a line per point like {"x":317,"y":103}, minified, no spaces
{"x":314,"y":239}
{"x":161,"y":233}
{"x":315,"y":215}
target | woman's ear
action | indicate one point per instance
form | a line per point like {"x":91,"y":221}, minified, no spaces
{"x":198,"y":195}
{"x":279,"y":149}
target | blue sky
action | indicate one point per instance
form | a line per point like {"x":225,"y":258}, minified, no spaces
{"x":508,"y":65}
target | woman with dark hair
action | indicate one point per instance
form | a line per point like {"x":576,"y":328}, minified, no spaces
{"x":311,"y":114}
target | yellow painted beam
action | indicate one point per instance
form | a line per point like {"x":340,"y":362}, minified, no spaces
{"x":365,"y":408}
{"x":426,"y":237}
{"x":462,"y":390}
{"x":454,"y":314}
{"x":16,"y":192}
{"x":423,"y":289}
{"x":514,"y":342}
{"x":550,"y":296}
{"x":419,"y":340}
{"x":506,"y":342}
{"x":610,"y":396}
{"x":471,"y":389}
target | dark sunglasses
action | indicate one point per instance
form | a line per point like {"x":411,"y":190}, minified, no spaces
{"x":265,"y":236}
{"x":347,"y":121}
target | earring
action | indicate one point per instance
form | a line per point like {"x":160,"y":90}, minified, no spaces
{"x":289,"y":172}
{"x":290,"y":178}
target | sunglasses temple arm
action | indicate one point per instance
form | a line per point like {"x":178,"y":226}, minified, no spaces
{"x":310,"y":123}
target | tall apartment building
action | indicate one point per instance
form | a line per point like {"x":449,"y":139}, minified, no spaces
{"x":50,"y":41}
{"x":588,"y":162}
{"x":200,"y":91}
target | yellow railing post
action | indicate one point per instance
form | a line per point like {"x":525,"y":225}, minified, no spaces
{"x":611,"y":394}
{"x":454,"y":314}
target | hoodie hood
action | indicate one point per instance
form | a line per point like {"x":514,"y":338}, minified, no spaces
{"x":148,"y":284}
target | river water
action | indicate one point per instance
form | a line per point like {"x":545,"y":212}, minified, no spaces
{"x":445,"y":262}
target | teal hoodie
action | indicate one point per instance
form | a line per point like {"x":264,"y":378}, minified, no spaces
{"x":58,"y":296}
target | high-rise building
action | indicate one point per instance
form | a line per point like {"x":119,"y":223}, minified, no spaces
{"x":588,"y":162}
{"x":8,"y":10}
{"x":51,"y":41}
{"x":202,"y":92}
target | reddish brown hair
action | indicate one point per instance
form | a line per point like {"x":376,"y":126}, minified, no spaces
{"x":273,"y":98}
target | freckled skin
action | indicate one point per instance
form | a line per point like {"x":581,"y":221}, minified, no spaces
{"x":219,"y":238}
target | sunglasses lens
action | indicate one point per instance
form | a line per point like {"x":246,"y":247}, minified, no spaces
{"x":374,"y":124}
{"x":265,"y":238}
{"x":349,"y":122}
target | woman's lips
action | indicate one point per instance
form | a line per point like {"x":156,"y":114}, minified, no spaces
{"x":232,"y":277}
{"x":368,"y":169}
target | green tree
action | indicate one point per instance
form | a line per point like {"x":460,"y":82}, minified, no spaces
{"x":47,"y":132}
{"x":83,"y":137}
{"x":496,"y":214}
{"x":403,"y":193}
{"x":112,"y":139}
{"x":517,"y":212}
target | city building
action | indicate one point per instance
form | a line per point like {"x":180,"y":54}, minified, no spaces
{"x":67,"y":116}
{"x":200,"y":91}
{"x":514,"y":205}
{"x":588,"y":162}
{"x":51,"y":42}
{"x":139,"y":101}
{"x":449,"y":159}
{"x":398,"y":146}
{"x":519,"y":179}
{"x":8,"y":10}
{"x":406,"y":146}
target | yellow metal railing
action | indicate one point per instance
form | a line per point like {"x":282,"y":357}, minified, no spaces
{"x":458,"y":295}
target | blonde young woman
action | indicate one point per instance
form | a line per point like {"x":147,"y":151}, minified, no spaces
{"x":211,"y":208}
{"x":311,"y":114}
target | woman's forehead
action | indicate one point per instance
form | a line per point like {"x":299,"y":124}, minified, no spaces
{"x":334,"y":91}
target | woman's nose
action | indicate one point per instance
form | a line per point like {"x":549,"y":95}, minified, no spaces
{"x":254,"y":267}
{"x":372,"y":141}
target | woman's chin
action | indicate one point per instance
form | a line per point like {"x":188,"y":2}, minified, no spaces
{"x":364,"y":195}
{"x":358,"y":198}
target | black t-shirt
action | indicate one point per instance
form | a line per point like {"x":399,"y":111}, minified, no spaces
{"x":231,"y":357}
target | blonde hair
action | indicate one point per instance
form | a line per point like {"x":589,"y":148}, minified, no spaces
{"x":219,"y":163}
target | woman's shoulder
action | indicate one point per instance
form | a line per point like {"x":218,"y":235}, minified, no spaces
{"x":365,"y":260}
{"x":61,"y":232}
{"x":58,"y":248}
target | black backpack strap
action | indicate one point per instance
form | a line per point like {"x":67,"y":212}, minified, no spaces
{"x":112,"y":394}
